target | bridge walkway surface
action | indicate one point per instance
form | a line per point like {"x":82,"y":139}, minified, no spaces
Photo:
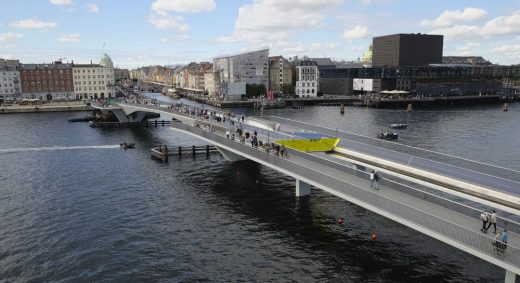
{"x":448,"y":226}
{"x":489,"y":176}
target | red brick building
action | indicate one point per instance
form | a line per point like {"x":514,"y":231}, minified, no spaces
{"x":47,"y":81}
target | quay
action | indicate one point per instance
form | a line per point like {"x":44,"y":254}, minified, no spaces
{"x":53,"y":107}
{"x":154,"y":123}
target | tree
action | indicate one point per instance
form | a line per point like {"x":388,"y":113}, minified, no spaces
{"x":255,"y":90}
{"x":287,"y":89}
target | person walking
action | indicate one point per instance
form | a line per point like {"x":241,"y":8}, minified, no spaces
{"x":493,"y":220}
{"x":505,"y":238}
{"x":484,"y":217}
{"x":374,"y":179}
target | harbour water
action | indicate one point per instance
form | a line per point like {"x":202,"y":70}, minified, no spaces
{"x":75,"y":207}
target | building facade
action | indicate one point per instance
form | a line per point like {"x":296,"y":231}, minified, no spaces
{"x":250,"y":68}
{"x":427,"y":81}
{"x":209,"y":82}
{"x":407,"y":50}
{"x":47,"y":81}
{"x":308,"y":79}
{"x":280,"y":73}
{"x":10,"y":87}
{"x":94,"y":81}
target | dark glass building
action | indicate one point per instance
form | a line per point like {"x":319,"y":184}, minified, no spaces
{"x":407,"y":50}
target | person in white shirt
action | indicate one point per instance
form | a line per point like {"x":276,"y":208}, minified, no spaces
{"x":484,"y":217}
{"x":493,"y":220}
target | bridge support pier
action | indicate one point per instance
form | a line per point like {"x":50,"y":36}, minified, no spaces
{"x":302,"y":188}
{"x":510,"y":277}
{"x":230,"y":156}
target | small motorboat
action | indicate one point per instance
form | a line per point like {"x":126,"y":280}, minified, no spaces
{"x":387,"y":136}
{"x":127,"y":145}
{"x":398,"y":126}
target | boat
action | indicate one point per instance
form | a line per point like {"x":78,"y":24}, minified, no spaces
{"x":398,"y":126}
{"x":387,"y":136}
{"x":126,"y":145}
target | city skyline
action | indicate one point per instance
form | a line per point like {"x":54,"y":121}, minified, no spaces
{"x":167,"y":32}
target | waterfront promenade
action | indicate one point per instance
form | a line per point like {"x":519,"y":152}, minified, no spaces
{"x":65,"y":106}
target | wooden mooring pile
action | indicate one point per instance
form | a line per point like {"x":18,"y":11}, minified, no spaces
{"x":163,"y":151}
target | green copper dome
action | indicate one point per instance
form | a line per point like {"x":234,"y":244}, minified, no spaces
{"x":106,"y":61}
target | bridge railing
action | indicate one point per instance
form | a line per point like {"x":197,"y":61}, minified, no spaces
{"x":394,"y":209}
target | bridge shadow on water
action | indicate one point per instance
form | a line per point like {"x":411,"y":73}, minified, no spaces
{"x":343,"y":252}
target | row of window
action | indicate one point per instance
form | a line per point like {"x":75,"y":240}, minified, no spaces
{"x":305,"y":91}
{"x":302,"y":84}
{"x":90,"y":88}
{"x":93,"y":76}
{"x":39,"y":89}
{"x":45,"y":83}
{"x":5,"y":85}
{"x":308,"y":70}
{"x":35,"y":72}
{"x":90,"y":82}
{"x":87,"y":71}
{"x":7,"y":91}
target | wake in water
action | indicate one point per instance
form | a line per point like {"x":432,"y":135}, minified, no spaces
{"x":56,"y":148}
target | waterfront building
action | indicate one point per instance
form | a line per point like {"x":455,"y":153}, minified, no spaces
{"x":94,"y":81}
{"x":209,"y":82}
{"x":249,"y":68}
{"x":428,"y":81}
{"x":407,"y":50}
{"x":10,"y":87}
{"x":308,"y":79}
{"x":121,"y":74}
{"x":280,"y":73}
{"x":47,"y":81}
{"x":468,"y":60}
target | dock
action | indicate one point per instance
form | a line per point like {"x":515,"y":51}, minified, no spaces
{"x":163,"y":151}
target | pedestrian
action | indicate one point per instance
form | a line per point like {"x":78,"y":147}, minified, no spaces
{"x":505,"y":238}
{"x":374,"y":180}
{"x":497,"y":243}
{"x":484,"y":217}
{"x":493,"y":220}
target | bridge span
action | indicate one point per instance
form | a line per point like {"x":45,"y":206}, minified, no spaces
{"x":344,"y":173}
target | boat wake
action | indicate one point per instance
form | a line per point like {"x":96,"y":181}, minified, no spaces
{"x":56,"y":148}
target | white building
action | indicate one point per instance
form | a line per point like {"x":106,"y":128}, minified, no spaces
{"x":209,"y":82}
{"x":10,"y":86}
{"x":249,"y":68}
{"x":94,"y":81}
{"x":307,"y":80}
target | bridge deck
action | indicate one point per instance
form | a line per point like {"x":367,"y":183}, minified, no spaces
{"x":494,"y":178}
{"x":451,"y":227}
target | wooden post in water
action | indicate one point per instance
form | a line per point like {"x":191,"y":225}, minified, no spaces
{"x":156,"y":123}
{"x":193,"y":150}
{"x":165,"y":158}
{"x":207,"y":150}
{"x":409,"y":108}
{"x":180,"y":151}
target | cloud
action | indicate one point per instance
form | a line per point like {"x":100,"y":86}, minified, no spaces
{"x":166,"y":21}
{"x":356,"y":48}
{"x":192,"y":6}
{"x":61,"y":2}
{"x":448,"y":18}
{"x":69,"y":38}
{"x":458,"y":31}
{"x":176,"y":38}
{"x":503,"y":25}
{"x":468,"y":48}
{"x":93,"y":8}
{"x":261,"y":23}
{"x":355,"y":33}
{"x":510,"y":50}
{"x":33,"y":24}
{"x":6,"y":36}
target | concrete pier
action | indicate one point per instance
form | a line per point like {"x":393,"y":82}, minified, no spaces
{"x":510,"y":277}
{"x":302,"y":188}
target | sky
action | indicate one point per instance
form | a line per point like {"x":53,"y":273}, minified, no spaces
{"x":138,"y":33}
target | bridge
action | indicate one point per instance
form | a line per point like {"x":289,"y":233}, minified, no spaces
{"x":435,"y":194}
